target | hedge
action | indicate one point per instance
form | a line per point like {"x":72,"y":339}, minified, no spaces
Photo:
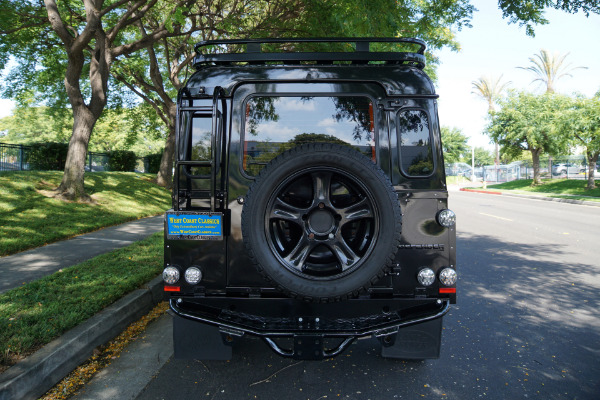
{"x":47,"y":156}
{"x":121,"y":160}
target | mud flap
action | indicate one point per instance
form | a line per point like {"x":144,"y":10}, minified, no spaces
{"x":198,"y":341}
{"x":414,"y":342}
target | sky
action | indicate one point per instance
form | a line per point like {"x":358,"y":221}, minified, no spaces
{"x":492,"y":47}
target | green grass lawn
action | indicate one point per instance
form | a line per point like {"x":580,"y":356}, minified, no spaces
{"x":567,"y":188}
{"x":29,"y":218}
{"x":38,"y":312}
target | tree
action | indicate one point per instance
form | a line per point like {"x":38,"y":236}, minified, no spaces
{"x":35,"y":124}
{"x":82,"y":40}
{"x":454,"y":144}
{"x":582,"y":121}
{"x":531,"y":12}
{"x":529,"y":122}
{"x":119,"y":128}
{"x":548,"y":68}
{"x":170,"y":59}
{"x":483,"y":157}
{"x":91,"y":35}
{"x":490,"y":90}
{"x":156,"y":73}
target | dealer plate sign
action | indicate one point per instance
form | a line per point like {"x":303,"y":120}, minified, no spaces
{"x":195,"y":226}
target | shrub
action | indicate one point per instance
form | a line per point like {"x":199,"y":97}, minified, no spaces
{"x":152,"y":163}
{"x":47,"y":156}
{"x":121,"y":160}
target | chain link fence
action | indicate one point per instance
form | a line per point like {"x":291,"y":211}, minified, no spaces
{"x":13,"y":157}
{"x":565,"y":167}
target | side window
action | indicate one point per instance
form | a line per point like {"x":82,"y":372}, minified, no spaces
{"x":275,"y":124}
{"x":416,"y":154}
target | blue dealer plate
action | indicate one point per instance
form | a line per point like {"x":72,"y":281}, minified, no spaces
{"x":200,"y":226}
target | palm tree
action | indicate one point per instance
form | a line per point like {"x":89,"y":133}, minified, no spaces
{"x":490,"y":89}
{"x":549,"y":68}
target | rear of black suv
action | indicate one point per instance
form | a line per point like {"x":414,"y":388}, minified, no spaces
{"x":309,"y":202}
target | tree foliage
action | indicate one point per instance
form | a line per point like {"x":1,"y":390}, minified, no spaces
{"x":82,"y":40}
{"x":529,"y":122}
{"x":490,"y":89}
{"x":483,"y":157}
{"x":30,"y":124}
{"x":156,"y":73}
{"x":454,"y":145}
{"x":531,"y":12}
{"x":137,"y":129}
{"x":65,"y":51}
{"x":582,"y":123}
{"x":549,"y":67}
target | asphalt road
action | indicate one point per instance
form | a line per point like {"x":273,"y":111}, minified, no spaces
{"x":526,"y":324}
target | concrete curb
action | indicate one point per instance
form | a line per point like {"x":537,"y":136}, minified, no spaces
{"x":543,"y":198}
{"x":34,"y":376}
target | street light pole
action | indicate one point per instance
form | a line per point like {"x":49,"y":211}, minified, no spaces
{"x":472,"y":164}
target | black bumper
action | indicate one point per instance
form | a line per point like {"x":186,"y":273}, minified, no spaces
{"x":307,"y":324}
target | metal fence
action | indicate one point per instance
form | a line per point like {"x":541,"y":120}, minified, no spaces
{"x":13,"y":157}
{"x":566,"y":167}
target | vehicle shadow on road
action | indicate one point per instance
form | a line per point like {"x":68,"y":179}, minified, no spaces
{"x":524,"y":325}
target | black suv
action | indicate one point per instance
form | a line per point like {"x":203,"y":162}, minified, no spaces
{"x":309,"y":204}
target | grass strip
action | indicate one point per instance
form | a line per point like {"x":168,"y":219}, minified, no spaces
{"x":30,"y":218}
{"x":38,"y":312}
{"x":566,"y":188}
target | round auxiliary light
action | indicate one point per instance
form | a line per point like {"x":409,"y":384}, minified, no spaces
{"x":446,"y":218}
{"x":426,"y":276}
{"x":193,"y":275}
{"x":170,"y":275}
{"x":448,"y":277}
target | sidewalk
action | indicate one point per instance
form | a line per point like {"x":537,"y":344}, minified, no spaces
{"x":33,"y":376}
{"x":30,"y":265}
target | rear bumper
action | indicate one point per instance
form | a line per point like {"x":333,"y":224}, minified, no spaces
{"x":308,"y":324}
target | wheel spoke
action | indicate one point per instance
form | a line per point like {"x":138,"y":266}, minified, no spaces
{"x":343,"y":252}
{"x":356,"y":211}
{"x":299,"y":253}
{"x":282,"y":210}
{"x":321,"y":187}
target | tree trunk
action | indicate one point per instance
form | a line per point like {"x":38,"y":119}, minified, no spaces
{"x":72,"y":184}
{"x":165,"y":173}
{"x":164,"y":177}
{"x":592,"y":158}
{"x":535,"y":157}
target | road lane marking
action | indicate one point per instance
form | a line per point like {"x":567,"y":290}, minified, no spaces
{"x":495,"y":216}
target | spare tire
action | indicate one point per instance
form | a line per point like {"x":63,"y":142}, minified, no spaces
{"x":322,"y":222}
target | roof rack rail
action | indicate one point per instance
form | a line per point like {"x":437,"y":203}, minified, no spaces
{"x":360,"y":55}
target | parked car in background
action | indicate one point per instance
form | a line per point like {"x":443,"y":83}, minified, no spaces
{"x":565,"y":169}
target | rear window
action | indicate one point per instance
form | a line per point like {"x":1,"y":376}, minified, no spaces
{"x":275,"y":124}
{"x":416,"y":154}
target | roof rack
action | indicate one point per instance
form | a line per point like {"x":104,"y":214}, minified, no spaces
{"x":360,"y":55}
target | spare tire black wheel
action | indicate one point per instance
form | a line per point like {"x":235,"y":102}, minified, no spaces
{"x":322,"y":222}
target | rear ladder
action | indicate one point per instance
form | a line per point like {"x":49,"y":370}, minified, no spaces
{"x":216,"y":194}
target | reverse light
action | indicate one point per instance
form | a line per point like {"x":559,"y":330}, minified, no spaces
{"x":170,"y":275}
{"x":426,"y":277}
{"x":193,"y":275}
{"x":448,"y":277}
{"x":446,"y":218}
